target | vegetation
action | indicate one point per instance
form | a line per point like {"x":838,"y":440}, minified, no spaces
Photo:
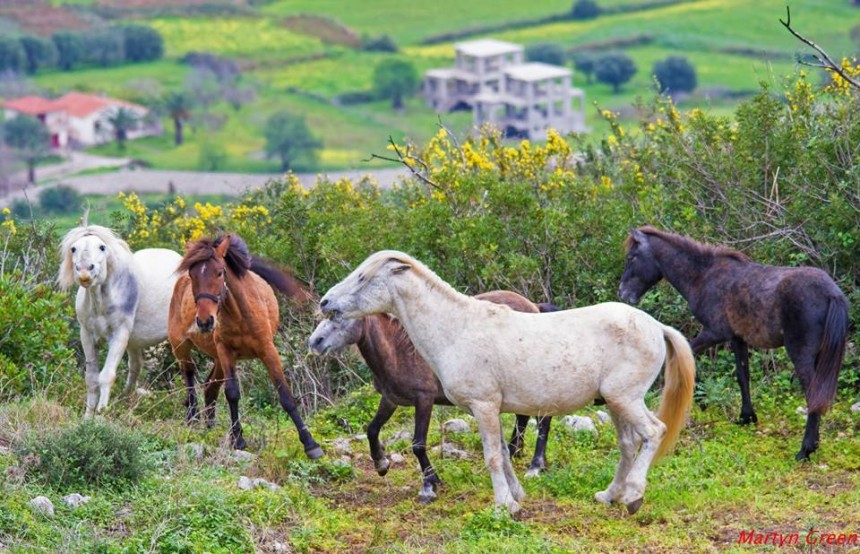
{"x":675,"y":74}
{"x":29,"y":138}
{"x":546,"y":52}
{"x":395,"y":80}
{"x":614,"y":69}
{"x":584,"y":9}
{"x":289,"y":138}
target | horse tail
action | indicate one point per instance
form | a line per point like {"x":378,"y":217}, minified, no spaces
{"x":680,"y":380}
{"x":281,"y":281}
{"x":547,"y":307}
{"x":828,"y":362}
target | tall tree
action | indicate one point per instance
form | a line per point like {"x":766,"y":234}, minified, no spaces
{"x":546,"y":52}
{"x":178,"y":106}
{"x":30,"y":138}
{"x":614,"y":69}
{"x":12,"y":55}
{"x":584,"y":63}
{"x":121,"y":121}
{"x":105,"y":48}
{"x":39,"y":53}
{"x":289,"y":138}
{"x":675,"y":74}
{"x":142,"y":43}
{"x":70,"y":49}
{"x":395,"y":79}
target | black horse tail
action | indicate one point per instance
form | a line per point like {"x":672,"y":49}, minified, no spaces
{"x":822,"y":389}
{"x":281,"y":281}
{"x":546,"y":307}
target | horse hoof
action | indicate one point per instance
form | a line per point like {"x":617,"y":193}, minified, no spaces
{"x":314,"y":453}
{"x":603,"y":497}
{"x":802,"y":456}
{"x":426,"y":496}
{"x":747,"y":419}
{"x":513,"y":507}
{"x":532,"y":473}
{"x":240,"y":444}
{"x":382,"y":466}
{"x":633,"y":507}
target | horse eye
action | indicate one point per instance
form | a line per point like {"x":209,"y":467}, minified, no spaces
{"x":74,"y":249}
{"x":102,"y":247}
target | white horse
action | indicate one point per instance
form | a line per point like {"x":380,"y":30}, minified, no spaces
{"x":491,"y":359}
{"x":123,"y":298}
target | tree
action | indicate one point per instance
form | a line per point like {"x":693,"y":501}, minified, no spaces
{"x":38,"y":53}
{"x":121,"y":121}
{"x":546,"y":52}
{"x":60,"y":200}
{"x":395,"y":79}
{"x":142,"y":43}
{"x":178,"y":105}
{"x":614,"y":69}
{"x":12,"y":56}
{"x":584,"y":63}
{"x":289,"y":138}
{"x":675,"y":74}
{"x":30,"y":138}
{"x":70,"y":49}
{"x":585,"y":9}
{"x":105,"y":48}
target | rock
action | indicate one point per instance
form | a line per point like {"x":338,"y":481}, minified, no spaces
{"x":242,"y":456}
{"x":193,"y":451}
{"x":855,"y":408}
{"x":266,"y":484}
{"x":801,"y":410}
{"x":344,"y":461}
{"x":603,"y":418}
{"x":246,"y":484}
{"x":42,"y":505}
{"x":580,"y":424}
{"x":74,"y":500}
{"x":341,"y":447}
{"x":280,"y":547}
{"x":399,"y":435}
{"x":360,"y":437}
{"x":396,"y":458}
{"x":451,"y":451}
{"x":142,"y":391}
{"x":456,"y":426}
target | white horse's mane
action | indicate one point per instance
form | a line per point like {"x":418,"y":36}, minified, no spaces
{"x":118,"y":249}
{"x":375,"y":262}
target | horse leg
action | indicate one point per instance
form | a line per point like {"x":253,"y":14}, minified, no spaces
{"x":423,"y":411}
{"x":539,"y":459}
{"x":91,"y":370}
{"x":135,"y":362}
{"x":802,"y":351}
{"x":188,"y":369}
{"x":384,"y":412}
{"x":508,"y":468}
{"x":489,"y":424}
{"x":515,"y":445}
{"x":288,"y":403}
{"x":210,"y":392}
{"x":628,"y":443}
{"x":650,"y":430}
{"x":739,"y":347}
{"x":232,"y":394}
{"x":116,"y":348}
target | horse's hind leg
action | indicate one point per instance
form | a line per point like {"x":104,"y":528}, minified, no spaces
{"x":510,"y":475}
{"x":515,"y":445}
{"x":135,"y":362}
{"x":802,"y":351}
{"x":423,"y":411}
{"x":188,"y":369}
{"x":650,"y":430}
{"x":742,"y":358}
{"x":539,"y":460}
{"x":288,"y":403}
{"x":377,"y":451}
{"x":628,"y":443}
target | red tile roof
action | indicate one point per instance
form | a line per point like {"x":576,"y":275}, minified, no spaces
{"x":75,"y":104}
{"x":31,"y":105}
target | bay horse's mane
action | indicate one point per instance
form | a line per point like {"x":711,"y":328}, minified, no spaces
{"x":687,"y":244}
{"x":238,"y":259}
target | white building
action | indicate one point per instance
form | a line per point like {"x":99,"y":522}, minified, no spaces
{"x":522,"y":99}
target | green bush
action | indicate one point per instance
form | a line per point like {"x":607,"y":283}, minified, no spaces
{"x":90,"y":454}
{"x":60,"y":200}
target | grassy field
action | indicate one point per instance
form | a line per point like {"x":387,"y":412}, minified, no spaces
{"x":723,"y":479}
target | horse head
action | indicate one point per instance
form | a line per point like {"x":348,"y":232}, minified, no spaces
{"x":641,"y":270}
{"x":333,"y":335}
{"x":88,"y":255}
{"x":367,"y":290}
{"x":207,"y":262}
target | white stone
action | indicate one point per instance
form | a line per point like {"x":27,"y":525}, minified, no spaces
{"x":259,"y":482}
{"x":280,"y":547}
{"x":242,"y":456}
{"x":399,"y":435}
{"x":341,"y":447}
{"x":245,"y":483}
{"x":74,"y":500}
{"x":580,"y":424}
{"x":42,"y":505}
{"x":800,"y":410}
{"x":603,"y":418}
{"x":193,"y":450}
{"x":396,"y":458}
{"x":855,"y":408}
{"x":450,"y":451}
{"x":456,"y":426}
{"x":142,"y":391}
{"x":360,"y":437}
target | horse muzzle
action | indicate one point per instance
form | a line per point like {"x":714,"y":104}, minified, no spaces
{"x":207,"y":325}
{"x":628,"y":296}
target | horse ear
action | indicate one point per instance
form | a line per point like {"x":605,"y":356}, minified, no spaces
{"x":638,"y":236}
{"x":400,"y":268}
{"x":223,"y":246}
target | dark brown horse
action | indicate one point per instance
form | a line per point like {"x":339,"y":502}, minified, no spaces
{"x":403,"y":378}
{"x":738,"y":300}
{"x":224,"y":305}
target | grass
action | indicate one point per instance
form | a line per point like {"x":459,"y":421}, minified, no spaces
{"x":722,"y":479}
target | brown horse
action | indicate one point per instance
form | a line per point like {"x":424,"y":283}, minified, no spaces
{"x":403,"y":378}
{"x":738,"y":300}
{"x":224,"y":305}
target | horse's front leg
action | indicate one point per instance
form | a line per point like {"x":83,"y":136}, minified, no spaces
{"x":91,"y":374}
{"x":423,"y":411}
{"x":288,"y":403}
{"x":188,"y":369}
{"x":495,"y":453}
{"x":210,"y":392}
{"x":232,"y":394}
{"x":739,"y":347}
{"x":377,"y":451}
{"x":539,"y":459}
{"x":116,"y":348}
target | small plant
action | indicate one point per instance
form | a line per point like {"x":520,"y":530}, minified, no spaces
{"x":92,"y":453}
{"x":495,"y":522}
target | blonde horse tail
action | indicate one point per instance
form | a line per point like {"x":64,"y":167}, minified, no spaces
{"x":679,"y":382}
